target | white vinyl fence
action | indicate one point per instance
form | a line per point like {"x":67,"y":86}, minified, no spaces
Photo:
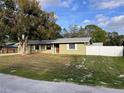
{"x":104,"y":50}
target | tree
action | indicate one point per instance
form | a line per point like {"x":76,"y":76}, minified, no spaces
{"x":114,"y":39}
{"x":2,"y":35}
{"x":97,"y":34}
{"x":65,"y":33}
{"x":6,"y":7}
{"x":2,"y":40}
{"x":27,"y":21}
{"x":1,"y":26}
{"x":74,"y":31}
{"x":82,"y":32}
{"x":34,"y":23}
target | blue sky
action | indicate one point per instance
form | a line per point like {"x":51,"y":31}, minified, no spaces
{"x":108,"y":14}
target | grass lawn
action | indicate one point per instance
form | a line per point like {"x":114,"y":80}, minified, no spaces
{"x":87,"y":70}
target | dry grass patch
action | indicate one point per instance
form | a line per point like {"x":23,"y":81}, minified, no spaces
{"x":91,"y":70}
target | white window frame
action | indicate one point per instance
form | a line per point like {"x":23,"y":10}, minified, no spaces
{"x":33,"y":47}
{"x":71,"y":49}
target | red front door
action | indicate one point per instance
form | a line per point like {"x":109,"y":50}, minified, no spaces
{"x":57,"y":48}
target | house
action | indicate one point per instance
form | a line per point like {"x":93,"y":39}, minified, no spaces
{"x":59,"y":46}
{"x":9,"y":48}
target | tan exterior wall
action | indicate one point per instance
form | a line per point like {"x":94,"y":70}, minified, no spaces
{"x":81,"y":49}
{"x":46,"y":51}
{"x":42,"y":49}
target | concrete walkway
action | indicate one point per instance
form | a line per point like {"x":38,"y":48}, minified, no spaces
{"x":13,"y":84}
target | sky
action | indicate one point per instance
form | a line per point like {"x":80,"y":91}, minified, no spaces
{"x":107,"y":14}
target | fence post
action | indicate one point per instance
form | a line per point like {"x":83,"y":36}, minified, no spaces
{"x":123,"y":48}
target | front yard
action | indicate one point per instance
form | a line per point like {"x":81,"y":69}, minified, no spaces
{"x":86,"y":70}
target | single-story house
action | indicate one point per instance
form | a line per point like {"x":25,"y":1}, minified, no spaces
{"x":9,"y":48}
{"x":59,"y":46}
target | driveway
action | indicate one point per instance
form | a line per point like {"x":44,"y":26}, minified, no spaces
{"x":14,"y":84}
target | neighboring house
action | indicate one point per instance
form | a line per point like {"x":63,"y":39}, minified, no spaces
{"x":59,"y":46}
{"x":9,"y":48}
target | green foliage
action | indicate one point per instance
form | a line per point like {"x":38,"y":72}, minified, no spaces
{"x":18,"y":17}
{"x":92,"y":28}
{"x":114,"y":39}
{"x":96,"y":33}
{"x":26,"y":17}
{"x":6,"y":10}
{"x":2,"y":35}
{"x":34,"y":22}
{"x":98,"y":36}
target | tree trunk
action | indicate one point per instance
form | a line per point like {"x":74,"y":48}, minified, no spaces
{"x":22,"y":48}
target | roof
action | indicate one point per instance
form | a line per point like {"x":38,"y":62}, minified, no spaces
{"x":10,"y":46}
{"x":62,"y":41}
{"x":40,"y":41}
{"x":73,"y":40}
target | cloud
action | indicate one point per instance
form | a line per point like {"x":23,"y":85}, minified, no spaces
{"x":101,"y":20}
{"x":75,"y":7}
{"x":50,"y":2}
{"x":66,"y":3}
{"x":115,"y":23}
{"x":56,"y":3}
{"x":108,"y":4}
{"x":86,"y":21}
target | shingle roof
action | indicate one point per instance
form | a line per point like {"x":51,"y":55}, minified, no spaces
{"x":62,"y":40}
{"x":40,"y":41}
{"x":73,"y":40}
{"x":10,"y":46}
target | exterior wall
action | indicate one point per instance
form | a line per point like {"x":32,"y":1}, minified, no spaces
{"x":63,"y":49}
{"x":81,"y":49}
{"x":9,"y":50}
{"x":28,"y":49}
{"x":46,"y":51}
{"x":42,"y":49}
{"x":104,"y":50}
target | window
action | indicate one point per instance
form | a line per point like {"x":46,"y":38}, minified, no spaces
{"x":36,"y":47}
{"x":71,"y":46}
{"x":48,"y":47}
{"x":32,"y":47}
{"x":43,"y":47}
